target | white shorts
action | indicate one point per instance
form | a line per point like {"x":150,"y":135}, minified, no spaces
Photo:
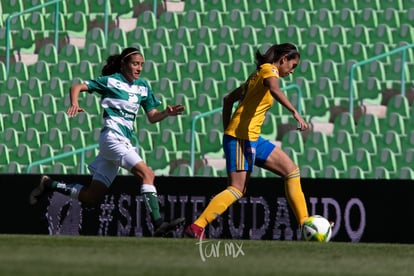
{"x":115,"y":151}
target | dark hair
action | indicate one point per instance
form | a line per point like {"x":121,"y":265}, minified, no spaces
{"x":275,"y":52}
{"x":113,"y":62}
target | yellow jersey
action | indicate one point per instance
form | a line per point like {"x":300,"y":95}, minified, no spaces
{"x":256,"y":99}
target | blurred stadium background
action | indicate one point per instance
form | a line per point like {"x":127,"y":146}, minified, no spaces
{"x":196,"y":51}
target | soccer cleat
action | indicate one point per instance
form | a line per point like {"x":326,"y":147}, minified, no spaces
{"x":194,"y":231}
{"x":41,"y":190}
{"x":167,"y":228}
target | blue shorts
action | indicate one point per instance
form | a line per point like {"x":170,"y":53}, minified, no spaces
{"x":242,"y":155}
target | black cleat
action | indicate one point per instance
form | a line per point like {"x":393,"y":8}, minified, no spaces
{"x":41,"y":190}
{"x":167,"y":228}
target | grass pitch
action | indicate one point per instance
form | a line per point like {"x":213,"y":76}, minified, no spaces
{"x":87,"y":255}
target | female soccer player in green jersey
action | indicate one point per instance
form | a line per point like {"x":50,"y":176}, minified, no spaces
{"x":122,"y":92}
{"x":242,"y":144}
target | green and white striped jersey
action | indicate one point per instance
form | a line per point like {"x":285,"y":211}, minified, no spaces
{"x":121,"y":101}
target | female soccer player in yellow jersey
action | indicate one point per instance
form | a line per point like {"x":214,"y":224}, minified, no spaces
{"x":242,"y":144}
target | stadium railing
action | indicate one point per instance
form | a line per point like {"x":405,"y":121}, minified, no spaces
{"x":211,"y":112}
{"x":15,"y":14}
{"x":403,"y":50}
{"x":81,"y":151}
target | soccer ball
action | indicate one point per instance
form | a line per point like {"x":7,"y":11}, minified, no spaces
{"x":316,"y":228}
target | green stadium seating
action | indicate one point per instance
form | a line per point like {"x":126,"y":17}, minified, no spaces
{"x":48,"y":53}
{"x":191,"y":19}
{"x":182,"y":170}
{"x":9,"y":137}
{"x":6,"y":105}
{"x":41,"y":69}
{"x":342,"y":139}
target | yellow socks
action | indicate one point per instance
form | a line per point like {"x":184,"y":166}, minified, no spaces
{"x":218,"y":205}
{"x":295,"y":196}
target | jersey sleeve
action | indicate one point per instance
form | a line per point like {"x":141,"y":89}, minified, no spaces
{"x":151,"y":101}
{"x":97,"y":85}
{"x":268,"y":71}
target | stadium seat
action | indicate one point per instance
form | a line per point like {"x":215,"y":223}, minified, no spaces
{"x":10,"y":137}
{"x":160,"y":35}
{"x":370,"y":90}
{"x":336,"y":53}
{"x":342,"y":139}
{"x":77,"y":5}
{"x":336,"y":34}
{"x":188,"y":87}
{"x":312,"y":157}
{"x":346,"y":16}
{"x":278,"y":17}
{"x":338,"y":159}
{"x":394,"y":121}
{"x":181,"y":35}
{"x":323,"y":17}
{"x":256,"y":17}
{"x":294,"y":140}
{"x":385,"y":166}
{"x":369,"y":4}
{"x":369,"y":121}
{"x":318,"y":140}
{"x":178,"y":52}
{"x":393,"y":141}
{"x":61,"y":120}
{"x":182,"y":170}
{"x":84,"y":70}
{"x":150,"y":71}
{"x":367,"y":16}
{"x":207,"y":171}
{"x":399,"y":104}
{"x":69,"y":53}
{"x":22,"y":155}
{"x":83,"y":120}
{"x":406,"y":31}
{"x":197,"y":5}
{"x":169,"y":20}
{"x":77,"y":24}
{"x":244,"y":52}
{"x":19,"y":70}
{"x":171,"y":70}
{"x":165,"y":86}
{"x":234,"y":18}
{"x":224,"y":34}
{"x":191,"y":19}
{"x":76,"y":137}
{"x":123,"y":8}
{"x":34,"y":86}
{"x":145,"y":140}
{"x":6,"y":104}
{"x":159,"y":160}
{"x":307,"y":171}
{"x":356,"y":172}
{"x":291,"y":152}
{"x":362,"y":159}
{"x":47,"y":104}
{"x":330,"y":172}
{"x":92,"y":53}
{"x":246,"y":34}
{"x":139,"y":34}
{"x":329,"y":67}
{"x":4,"y":152}
{"x":221,"y":5}
{"x":367,"y":139}
{"x":39,"y":120}
{"x":96,"y":35}
{"x":56,"y":85}
{"x":344,"y":121}
{"x":406,"y":173}
{"x":16,"y":120}
{"x":193,"y":69}
{"x":41,"y":69}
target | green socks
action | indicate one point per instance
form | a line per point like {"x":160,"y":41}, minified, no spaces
{"x":151,"y":201}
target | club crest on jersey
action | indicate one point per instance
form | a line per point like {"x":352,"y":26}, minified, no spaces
{"x":133,"y":98}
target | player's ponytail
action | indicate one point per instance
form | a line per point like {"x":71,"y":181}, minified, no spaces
{"x":275,"y":52}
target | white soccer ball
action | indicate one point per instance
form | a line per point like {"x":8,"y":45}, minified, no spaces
{"x":316,"y":228}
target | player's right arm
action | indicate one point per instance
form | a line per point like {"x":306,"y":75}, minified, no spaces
{"x":74,"y":107}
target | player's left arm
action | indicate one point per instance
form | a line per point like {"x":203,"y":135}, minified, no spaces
{"x":155,"y":115}
{"x":278,"y":95}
